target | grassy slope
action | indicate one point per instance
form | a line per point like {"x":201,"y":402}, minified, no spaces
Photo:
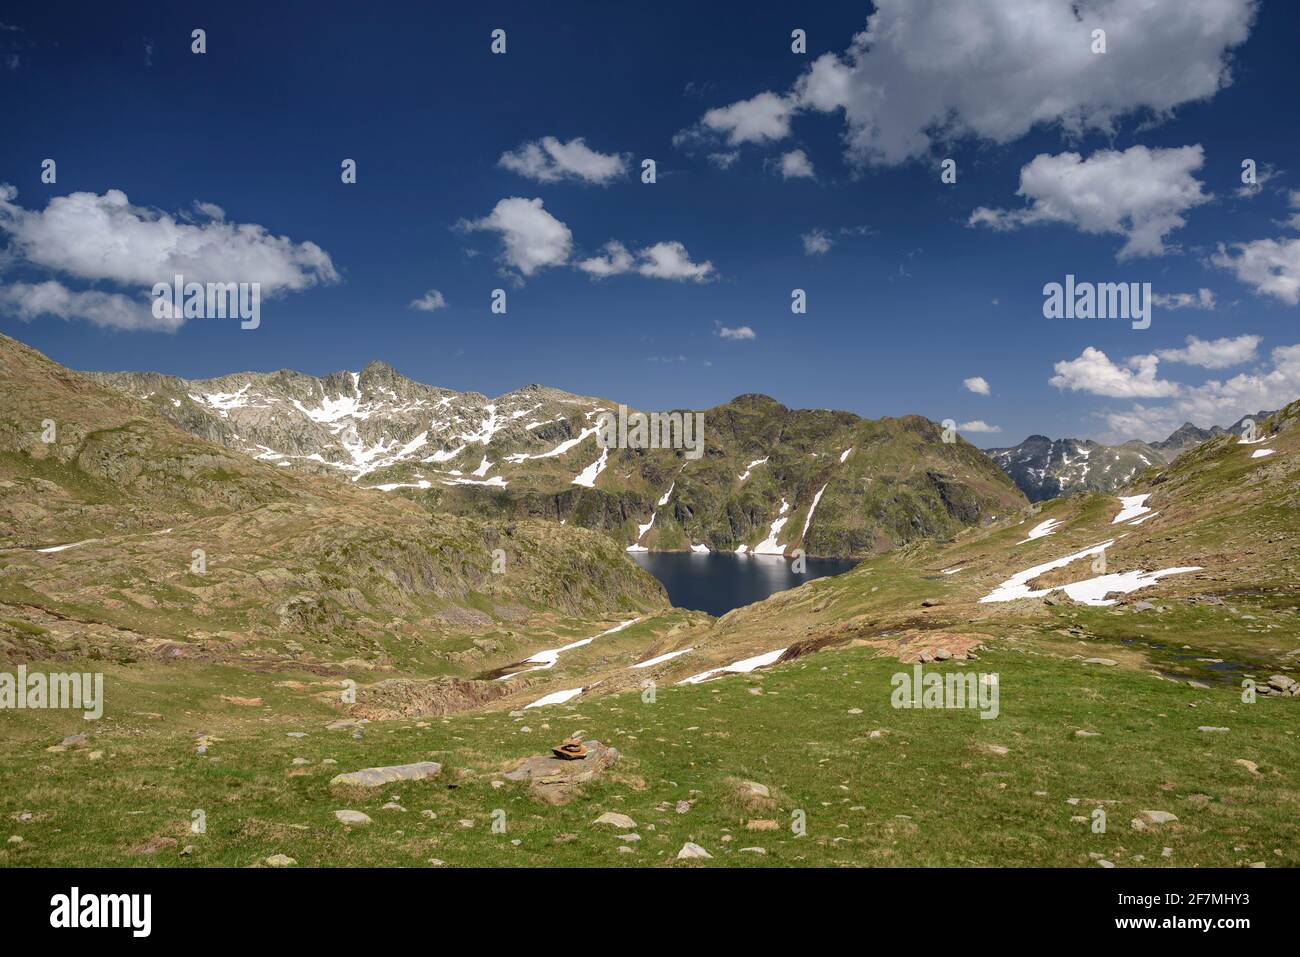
{"x":1219,"y":508}
{"x":292,"y":559}
{"x":929,"y":792}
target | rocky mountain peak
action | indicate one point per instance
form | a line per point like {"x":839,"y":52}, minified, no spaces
{"x":771,"y":478}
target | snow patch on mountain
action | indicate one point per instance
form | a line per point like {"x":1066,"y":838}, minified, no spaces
{"x":807,"y":522}
{"x":495,"y":480}
{"x":545,"y":660}
{"x":636,"y":546}
{"x":769,"y":546}
{"x":1041,"y":530}
{"x":560,"y":449}
{"x":660,"y":659}
{"x":1091,"y":591}
{"x":1131,"y":506}
{"x":555,"y":697}
{"x":587,"y":477}
{"x":741,"y":667}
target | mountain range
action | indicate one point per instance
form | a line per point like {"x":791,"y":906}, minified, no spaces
{"x":766,"y":473}
{"x":769,"y":479}
{"x":1045,"y":468}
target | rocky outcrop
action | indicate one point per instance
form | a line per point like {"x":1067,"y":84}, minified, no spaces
{"x":556,"y":780}
{"x":378,"y":777}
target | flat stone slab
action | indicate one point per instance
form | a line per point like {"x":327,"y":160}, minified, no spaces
{"x":1157,"y":817}
{"x":555,"y":780}
{"x":377,"y":777}
{"x":616,"y":820}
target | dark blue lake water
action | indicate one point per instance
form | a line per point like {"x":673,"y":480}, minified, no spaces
{"x":720,"y":581}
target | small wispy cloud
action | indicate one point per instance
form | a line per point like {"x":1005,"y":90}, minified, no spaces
{"x":1214,"y":353}
{"x":796,"y":165}
{"x":816,"y":242}
{"x":1262,"y":175}
{"x":549,"y":160}
{"x":1201,"y":299}
{"x":979,"y":425}
{"x":430,"y":301}
{"x":739,"y":333}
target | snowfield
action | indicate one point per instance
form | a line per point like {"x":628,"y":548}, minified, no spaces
{"x":739,"y":668}
{"x":555,"y":697}
{"x":1131,"y":507}
{"x":1091,"y":591}
{"x":668,"y":656}
{"x":1041,"y":530}
{"x":545,"y":660}
{"x":807,"y":522}
{"x":587,"y":477}
{"x":769,"y":546}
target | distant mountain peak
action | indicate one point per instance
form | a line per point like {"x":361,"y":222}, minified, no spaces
{"x":1046,"y":468}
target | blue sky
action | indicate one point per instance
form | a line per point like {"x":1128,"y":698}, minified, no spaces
{"x":916,"y":294}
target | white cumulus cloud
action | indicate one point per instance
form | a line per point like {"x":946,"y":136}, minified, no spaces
{"x":1269,"y":266}
{"x":548,"y":160}
{"x":1213,"y":353}
{"x":28,"y":301}
{"x":1217,"y":402}
{"x":761,"y":118}
{"x":106,"y":238}
{"x":532,"y":239}
{"x":925,"y":72}
{"x":979,"y":425}
{"x":668,"y":260}
{"x":1093,"y":372}
{"x":615,"y":261}
{"x":96,"y":237}
{"x":430,"y":301}
{"x":977,"y":384}
{"x":1293,"y":198}
{"x":1140,"y":194}
{"x":796,"y":165}
{"x":671,"y":261}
